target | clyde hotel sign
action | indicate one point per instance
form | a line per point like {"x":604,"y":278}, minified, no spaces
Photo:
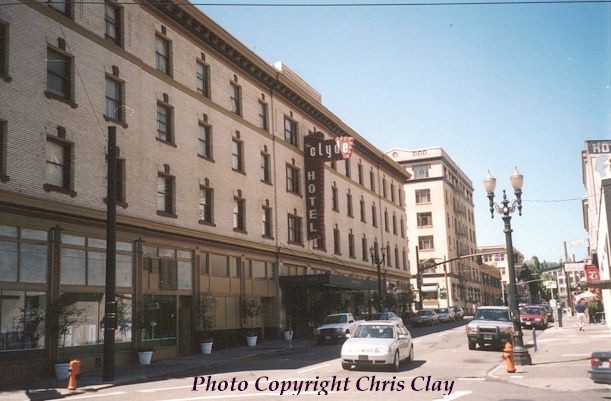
{"x":319,"y":150}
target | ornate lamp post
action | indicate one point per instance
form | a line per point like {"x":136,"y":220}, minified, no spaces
{"x":377,"y":262}
{"x":505,"y":209}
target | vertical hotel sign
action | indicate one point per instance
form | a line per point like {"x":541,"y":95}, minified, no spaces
{"x":319,"y":150}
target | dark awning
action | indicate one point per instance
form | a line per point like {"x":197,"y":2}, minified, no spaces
{"x":328,"y":280}
{"x":604,"y":284}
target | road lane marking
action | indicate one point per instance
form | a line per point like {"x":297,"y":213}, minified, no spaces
{"x":82,"y":397}
{"x":516,"y":377}
{"x":582,"y":355}
{"x":313,"y":368}
{"x":454,"y":396}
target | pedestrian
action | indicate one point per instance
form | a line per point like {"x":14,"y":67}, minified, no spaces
{"x":580,"y":308}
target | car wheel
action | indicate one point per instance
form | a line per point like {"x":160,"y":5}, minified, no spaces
{"x":410,"y":357}
{"x":472,"y":345}
{"x":346,"y":365}
{"x":396,"y":364}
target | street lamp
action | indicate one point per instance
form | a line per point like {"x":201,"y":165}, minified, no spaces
{"x":505,"y":209}
{"x":378,"y":262}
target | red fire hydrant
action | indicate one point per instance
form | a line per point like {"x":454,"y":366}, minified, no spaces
{"x":508,"y":358}
{"x":75,"y":369}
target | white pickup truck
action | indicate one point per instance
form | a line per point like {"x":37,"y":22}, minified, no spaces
{"x":335,"y":327}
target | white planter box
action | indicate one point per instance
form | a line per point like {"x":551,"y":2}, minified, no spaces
{"x":144,"y":358}
{"x":206,"y":348}
{"x":288,"y":335}
{"x":251,"y":341}
{"x":62,"y":371}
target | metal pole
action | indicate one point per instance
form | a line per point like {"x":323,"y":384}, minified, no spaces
{"x":377,"y":263}
{"x":521,"y":355}
{"x":445,"y":273}
{"x":418,"y":280}
{"x":110,"y":311}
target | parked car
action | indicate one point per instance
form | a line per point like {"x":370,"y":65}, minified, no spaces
{"x":425,"y":317}
{"x":533,"y":316}
{"x":601,"y":367}
{"x":549,"y":311}
{"x":459,"y":313}
{"x":445,"y":314}
{"x":378,"y":343}
{"x":335,"y":327}
{"x":490,"y":325}
{"x":388,"y":316}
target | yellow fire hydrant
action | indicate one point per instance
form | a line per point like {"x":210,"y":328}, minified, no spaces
{"x":508,"y":358}
{"x":75,"y":369}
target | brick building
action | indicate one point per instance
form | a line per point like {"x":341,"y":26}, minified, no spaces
{"x":211,"y":186}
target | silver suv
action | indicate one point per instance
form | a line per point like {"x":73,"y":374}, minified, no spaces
{"x":490,"y":325}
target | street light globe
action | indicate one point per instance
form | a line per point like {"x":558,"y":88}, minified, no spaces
{"x":489,"y":183}
{"x":517,"y":180}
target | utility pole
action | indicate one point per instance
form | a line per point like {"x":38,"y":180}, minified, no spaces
{"x":110,"y":311}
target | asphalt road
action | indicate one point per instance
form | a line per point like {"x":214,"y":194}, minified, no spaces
{"x":443,"y":370}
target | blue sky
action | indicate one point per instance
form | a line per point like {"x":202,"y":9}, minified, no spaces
{"x":494,"y":85}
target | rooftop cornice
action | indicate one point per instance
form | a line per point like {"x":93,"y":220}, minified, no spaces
{"x":214,"y":36}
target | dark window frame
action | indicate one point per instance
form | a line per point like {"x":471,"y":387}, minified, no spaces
{"x":161,"y":38}
{"x":291,"y":132}
{"x":203,"y":78}
{"x":351,"y":250}
{"x":293,"y":181}
{"x":294,"y":228}
{"x":337,"y":242}
{"x":235,"y":98}
{"x":267,"y":222}
{"x":263,"y":114}
{"x":4,"y":151}
{"x":4,"y":51}
{"x":266,"y":168}
{"x":68,"y":79}
{"x":169,"y":123}
{"x":169,"y":195}
{"x":67,"y":167}
{"x":207,"y":206}
{"x":238,"y":157}
{"x":207,"y":141}
{"x":117,"y":23}
{"x":334,"y":199}
{"x":364,"y":249}
{"x":120,"y":109}
{"x":68,"y":5}
{"x":239,"y":217}
{"x":349,"y":206}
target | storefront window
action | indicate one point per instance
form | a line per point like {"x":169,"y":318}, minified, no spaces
{"x":23,"y":255}
{"x":22,"y":320}
{"x":159,"y":317}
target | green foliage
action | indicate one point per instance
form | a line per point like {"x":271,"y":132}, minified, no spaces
{"x":252,"y":308}
{"x":206,"y":315}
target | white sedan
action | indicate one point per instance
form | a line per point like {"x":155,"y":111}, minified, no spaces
{"x":376,"y":343}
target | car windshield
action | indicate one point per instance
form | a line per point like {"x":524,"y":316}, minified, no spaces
{"x":531,"y":311}
{"x":374,"y":331}
{"x":425,"y":312}
{"x":382,"y":316}
{"x":336,"y":319}
{"x":491,"y":314}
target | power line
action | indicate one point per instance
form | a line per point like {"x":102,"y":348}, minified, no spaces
{"x":329,"y":5}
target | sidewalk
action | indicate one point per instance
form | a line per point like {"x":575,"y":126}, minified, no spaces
{"x":562,"y":361}
{"x":92,"y":381}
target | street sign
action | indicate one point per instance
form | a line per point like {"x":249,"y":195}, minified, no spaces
{"x":574,"y":267}
{"x":550,"y":284}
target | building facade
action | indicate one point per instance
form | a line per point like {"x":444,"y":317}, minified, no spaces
{"x":211,"y":186}
{"x":496,"y":256}
{"x":491,"y":285}
{"x":441,"y":226}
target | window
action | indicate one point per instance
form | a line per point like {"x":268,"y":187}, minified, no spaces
{"x":392,"y":192}
{"x":23,"y":323}
{"x":394,"y":224}
{"x":426,"y":242}
{"x":266,"y":221}
{"x":349,"y":204}
{"x":3,"y":151}
{"x":160,"y":314}
{"x":402,"y":226}
{"x":59,"y":74}
{"x":364,"y":249}
{"x":206,"y":205}
{"x":333,"y":164}
{"x":384,"y":187}
{"x":372,"y":180}
{"x":294,"y":226}
{"x":162,"y":54}
{"x":24,"y":255}
{"x":374,"y":215}
{"x":363,"y":213}
{"x":347,"y":165}
{"x":290,"y":131}
{"x":59,"y":169}
{"x":423,"y":196}
{"x":164,"y":123}
{"x":61,"y":6}
{"x":319,"y":243}
{"x":112,"y":18}
{"x":351,"y":253}
{"x":114,"y":99}
{"x":263,"y":117}
{"x":360,"y":173}
{"x":424,"y":219}
{"x":3,"y":48}
{"x":386,"y":226}
{"x":165,"y":195}
{"x":266,"y":172}
{"x":397,"y":262}
{"x":204,"y":141}
{"x":237,"y":155}
{"x":239,"y":213}
{"x":389,"y":256}
{"x":334,"y":198}
{"x":337,"y":248}
{"x":292,"y":179}
{"x":401,"y":197}
{"x":202,"y":74}
{"x":236,"y":99}
{"x":421,"y":171}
